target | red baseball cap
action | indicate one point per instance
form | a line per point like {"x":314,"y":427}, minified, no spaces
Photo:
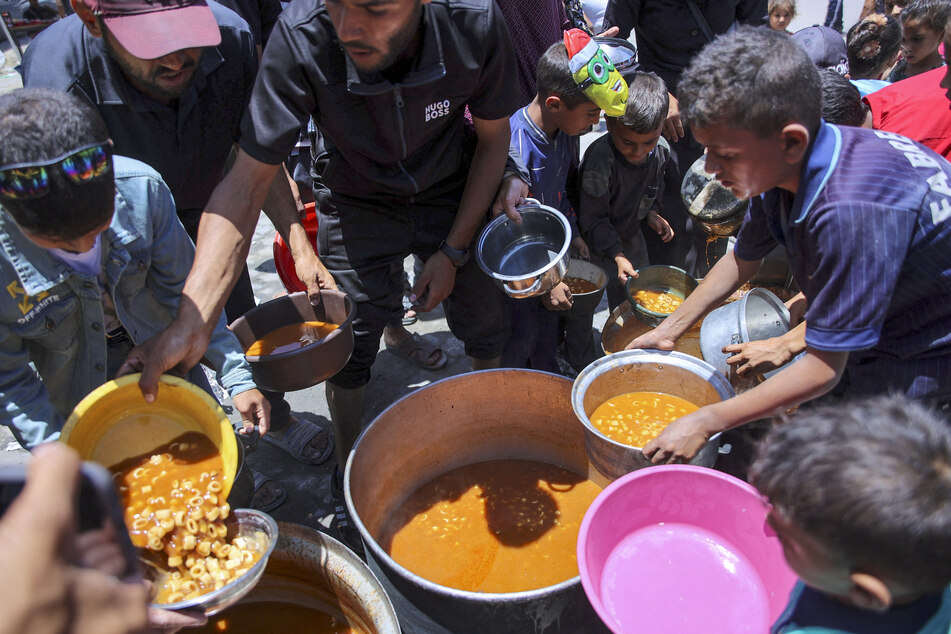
{"x":150,"y":29}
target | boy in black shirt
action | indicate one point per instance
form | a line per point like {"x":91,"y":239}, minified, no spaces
{"x":622,"y":184}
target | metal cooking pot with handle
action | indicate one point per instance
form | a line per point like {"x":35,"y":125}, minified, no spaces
{"x":528,"y":259}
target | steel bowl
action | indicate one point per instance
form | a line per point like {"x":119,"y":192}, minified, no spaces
{"x":661,"y":277}
{"x":261,"y":530}
{"x":672,"y":373}
{"x":308,"y":365}
{"x":586,"y":303}
{"x":527,"y":259}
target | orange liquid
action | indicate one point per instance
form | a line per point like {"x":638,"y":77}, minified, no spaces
{"x":658,"y":300}
{"x":495,"y":526}
{"x":578,"y":285}
{"x":637,"y":417}
{"x":271,"y":616}
{"x":290,"y":337}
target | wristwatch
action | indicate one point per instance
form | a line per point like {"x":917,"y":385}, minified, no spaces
{"x":457,"y":256}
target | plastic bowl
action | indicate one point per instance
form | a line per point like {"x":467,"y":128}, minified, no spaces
{"x":658,"y":277}
{"x":678,"y":549}
{"x":308,"y":365}
{"x":283,"y":261}
{"x":261,"y":530}
{"x":114,"y":422}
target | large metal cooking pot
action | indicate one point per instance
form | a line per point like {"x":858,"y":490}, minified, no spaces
{"x":488,"y":415}
{"x":313,"y":570}
{"x":672,"y":373}
{"x":718,"y":211}
{"x":527,"y":259}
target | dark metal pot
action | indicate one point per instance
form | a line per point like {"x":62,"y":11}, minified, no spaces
{"x":488,"y":415}
{"x":308,"y":365}
{"x":709,"y":203}
{"x":586,"y":303}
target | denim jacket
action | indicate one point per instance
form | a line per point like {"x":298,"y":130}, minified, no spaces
{"x":51,"y":317}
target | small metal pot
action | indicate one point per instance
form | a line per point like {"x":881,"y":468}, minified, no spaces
{"x":528,"y":259}
{"x":709,"y":203}
{"x":758,"y":315}
{"x":308,"y":365}
{"x":586,"y":303}
{"x":622,"y":327}
{"x":672,"y":373}
{"x":658,"y":276}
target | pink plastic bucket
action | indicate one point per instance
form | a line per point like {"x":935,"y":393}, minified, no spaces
{"x":678,"y":549}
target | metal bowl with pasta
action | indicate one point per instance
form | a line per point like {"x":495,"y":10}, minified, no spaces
{"x":257,"y":531}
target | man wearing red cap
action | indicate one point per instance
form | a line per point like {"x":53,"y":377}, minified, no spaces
{"x":172,"y":79}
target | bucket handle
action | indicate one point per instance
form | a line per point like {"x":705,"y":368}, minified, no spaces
{"x":529,"y":202}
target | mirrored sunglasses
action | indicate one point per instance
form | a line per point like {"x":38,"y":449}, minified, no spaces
{"x":25,"y":181}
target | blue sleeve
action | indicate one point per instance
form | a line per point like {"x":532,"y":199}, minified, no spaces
{"x":755,"y":239}
{"x":855,"y":253}
{"x":27,"y":409}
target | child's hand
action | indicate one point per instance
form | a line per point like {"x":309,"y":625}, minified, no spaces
{"x":558,"y":298}
{"x":673,"y":126}
{"x":656,"y":222}
{"x":580,"y":249}
{"x":625,"y":270}
{"x":254,"y":409}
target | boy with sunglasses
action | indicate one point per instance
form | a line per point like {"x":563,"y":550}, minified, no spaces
{"x":93,"y":260}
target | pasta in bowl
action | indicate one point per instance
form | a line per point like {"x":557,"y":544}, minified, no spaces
{"x":199,"y":553}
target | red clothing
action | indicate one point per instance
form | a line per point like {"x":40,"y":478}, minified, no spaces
{"x":916,"y":108}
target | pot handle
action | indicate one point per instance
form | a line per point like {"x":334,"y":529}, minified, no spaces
{"x":531,"y":291}
{"x":529,"y":202}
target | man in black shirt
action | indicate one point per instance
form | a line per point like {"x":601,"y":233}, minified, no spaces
{"x":386,"y":82}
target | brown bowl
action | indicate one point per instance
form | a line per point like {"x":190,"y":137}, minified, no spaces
{"x":306,"y":366}
{"x":586,"y":303}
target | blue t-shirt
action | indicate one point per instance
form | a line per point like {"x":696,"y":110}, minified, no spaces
{"x":549,"y":162}
{"x":869,"y":241}
{"x":812,"y":612}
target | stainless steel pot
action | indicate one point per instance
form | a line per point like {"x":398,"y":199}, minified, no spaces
{"x":312,"y":570}
{"x":493,"y":414}
{"x":758,"y":315}
{"x":527,"y":259}
{"x":672,"y":373}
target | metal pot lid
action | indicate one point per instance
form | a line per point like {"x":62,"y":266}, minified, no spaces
{"x":706,"y":199}
{"x":622,"y":53}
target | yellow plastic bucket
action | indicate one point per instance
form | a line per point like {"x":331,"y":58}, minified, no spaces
{"x":114,"y":422}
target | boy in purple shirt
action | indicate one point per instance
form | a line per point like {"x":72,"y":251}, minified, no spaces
{"x":545,"y":135}
{"x":862,"y":214}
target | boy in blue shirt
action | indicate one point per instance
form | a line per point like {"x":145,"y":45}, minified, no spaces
{"x":858,"y":496}
{"x":93,"y":259}
{"x":545,"y":134}
{"x":863,"y":216}
{"x":622,"y":185}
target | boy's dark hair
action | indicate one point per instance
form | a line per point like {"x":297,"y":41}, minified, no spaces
{"x":553,"y":77}
{"x":932,"y":14}
{"x":38,"y":124}
{"x":870,"y":479}
{"x":751,"y":79}
{"x":841,"y":100}
{"x":647,"y":102}
{"x":872,"y":44}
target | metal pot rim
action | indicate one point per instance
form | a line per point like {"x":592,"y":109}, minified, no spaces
{"x":370,"y":542}
{"x":532,"y":207}
{"x":594,"y":370}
